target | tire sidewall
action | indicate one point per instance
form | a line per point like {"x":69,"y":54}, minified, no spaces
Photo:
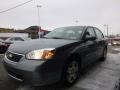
{"x":104,"y":55}
{"x":64,"y":73}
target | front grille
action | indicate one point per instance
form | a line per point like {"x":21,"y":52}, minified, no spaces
{"x":15,"y":75}
{"x":13,"y":56}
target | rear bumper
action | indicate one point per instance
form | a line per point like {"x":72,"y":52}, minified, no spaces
{"x":32,"y":73}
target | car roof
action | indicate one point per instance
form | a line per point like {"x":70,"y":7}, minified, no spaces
{"x":79,"y":26}
{"x":84,"y":27}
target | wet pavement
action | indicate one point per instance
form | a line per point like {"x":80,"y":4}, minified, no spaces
{"x":100,"y":76}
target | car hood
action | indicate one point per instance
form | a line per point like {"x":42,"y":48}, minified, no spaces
{"x":27,"y":46}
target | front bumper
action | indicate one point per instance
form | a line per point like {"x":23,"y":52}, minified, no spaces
{"x":36,"y":73}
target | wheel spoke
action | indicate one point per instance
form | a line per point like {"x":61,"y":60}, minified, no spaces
{"x":72,"y":71}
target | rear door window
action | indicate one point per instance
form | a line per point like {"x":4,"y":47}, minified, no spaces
{"x":99,"y":33}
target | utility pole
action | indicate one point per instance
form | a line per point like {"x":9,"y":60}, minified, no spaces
{"x":39,"y":31}
{"x":107,"y":30}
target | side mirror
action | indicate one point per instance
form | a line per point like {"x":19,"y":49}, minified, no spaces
{"x":90,"y":38}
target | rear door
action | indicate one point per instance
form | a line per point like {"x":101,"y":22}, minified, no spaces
{"x":100,"y":42}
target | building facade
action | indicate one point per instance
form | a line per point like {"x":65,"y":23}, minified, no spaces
{"x":33,"y":31}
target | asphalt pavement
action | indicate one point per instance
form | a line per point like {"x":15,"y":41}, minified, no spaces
{"x":100,"y":76}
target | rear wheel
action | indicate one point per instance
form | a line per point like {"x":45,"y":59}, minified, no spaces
{"x":104,"y":55}
{"x":71,"y":72}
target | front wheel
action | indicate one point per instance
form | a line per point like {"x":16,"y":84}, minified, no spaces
{"x":71,"y":72}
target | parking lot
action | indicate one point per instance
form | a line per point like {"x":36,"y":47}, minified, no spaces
{"x":100,"y":76}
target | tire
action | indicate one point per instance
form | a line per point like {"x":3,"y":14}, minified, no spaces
{"x":117,"y":85}
{"x":71,"y":72}
{"x":104,"y":55}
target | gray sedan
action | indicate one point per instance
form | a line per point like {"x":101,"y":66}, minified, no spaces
{"x":58,"y":57}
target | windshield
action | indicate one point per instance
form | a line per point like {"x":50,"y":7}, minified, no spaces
{"x":72,"y":33}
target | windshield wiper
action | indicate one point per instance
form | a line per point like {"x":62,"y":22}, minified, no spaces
{"x":56,"y":38}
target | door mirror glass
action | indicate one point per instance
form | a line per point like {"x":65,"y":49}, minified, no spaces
{"x":90,"y":38}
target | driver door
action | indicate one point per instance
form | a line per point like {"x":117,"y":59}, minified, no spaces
{"x":90,"y":55}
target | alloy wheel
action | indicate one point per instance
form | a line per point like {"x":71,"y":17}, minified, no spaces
{"x":72,"y":71}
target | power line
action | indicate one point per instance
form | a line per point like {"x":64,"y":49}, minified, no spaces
{"x":15,"y":6}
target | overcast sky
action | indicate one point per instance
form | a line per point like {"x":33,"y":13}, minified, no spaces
{"x":57,"y":13}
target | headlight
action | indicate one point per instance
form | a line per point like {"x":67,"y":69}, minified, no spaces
{"x":46,"y":53}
